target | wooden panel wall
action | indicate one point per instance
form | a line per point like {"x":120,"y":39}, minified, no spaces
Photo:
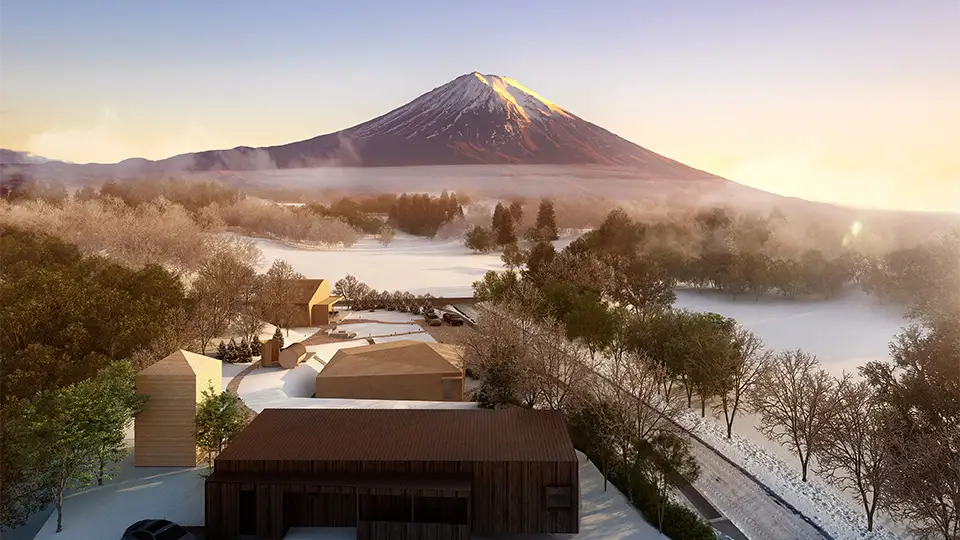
{"x":379,"y":530}
{"x":507,"y":498}
{"x":164,"y":432}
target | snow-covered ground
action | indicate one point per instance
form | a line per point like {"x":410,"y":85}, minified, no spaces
{"x":410,"y":263}
{"x":414,"y":264}
{"x":843,"y":333}
{"x":136,"y":493}
{"x":177,"y":494}
{"x":275,"y":387}
{"x":832,"y":510}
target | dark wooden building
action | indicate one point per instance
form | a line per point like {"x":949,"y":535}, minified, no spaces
{"x":404,"y":474}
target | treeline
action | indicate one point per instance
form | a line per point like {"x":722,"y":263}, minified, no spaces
{"x":506,"y":228}
{"x":159,"y":232}
{"x":191,"y":194}
{"x":360,"y":296}
{"x":418,"y":214}
{"x":614,"y":336}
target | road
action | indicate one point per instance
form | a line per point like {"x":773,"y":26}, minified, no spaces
{"x":744,"y":502}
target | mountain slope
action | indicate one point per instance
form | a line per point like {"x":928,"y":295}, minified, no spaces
{"x":474,"y":119}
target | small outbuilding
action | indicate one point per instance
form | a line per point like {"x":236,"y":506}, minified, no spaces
{"x":164,"y":434}
{"x":312,"y":303}
{"x":398,"y":370}
{"x":397,"y":473}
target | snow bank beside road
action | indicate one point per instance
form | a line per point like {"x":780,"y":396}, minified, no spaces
{"x":830,"y":510}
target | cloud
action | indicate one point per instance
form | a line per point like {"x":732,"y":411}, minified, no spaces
{"x":109,"y":141}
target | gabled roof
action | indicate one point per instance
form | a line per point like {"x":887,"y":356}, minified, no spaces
{"x":180,"y":363}
{"x":404,"y":435}
{"x":405,"y":357}
{"x":302,"y":290}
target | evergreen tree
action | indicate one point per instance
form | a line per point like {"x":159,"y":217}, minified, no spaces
{"x":222,"y":351}
{"x":547,"y":220}
{"x":278,"y":335}
{"x":233,"y":352}
{"x":516,"y":212}
{"x":256,"y":347}
{"x":243,"y":351}
{"x":503,"y":226}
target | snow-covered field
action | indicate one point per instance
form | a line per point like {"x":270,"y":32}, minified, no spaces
{"x":410,"y":263}
{"x":843,"y":333}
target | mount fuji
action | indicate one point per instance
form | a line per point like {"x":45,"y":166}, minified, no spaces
{"x":474,"y":119}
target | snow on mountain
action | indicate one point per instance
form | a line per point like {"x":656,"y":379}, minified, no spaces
{"x":473,"y":119}
{"x":468,"y":94}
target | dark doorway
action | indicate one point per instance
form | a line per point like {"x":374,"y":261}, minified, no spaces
{"x":248,"y":512}
{"x":296,"y":510}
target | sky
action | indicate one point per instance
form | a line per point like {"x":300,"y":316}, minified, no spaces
{"x":854,"y":102}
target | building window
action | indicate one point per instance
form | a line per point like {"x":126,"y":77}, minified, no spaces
{"x":558,"y":497}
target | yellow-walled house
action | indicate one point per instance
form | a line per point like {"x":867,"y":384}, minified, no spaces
{"x":312,"y":302}
{"x":164,"y":434}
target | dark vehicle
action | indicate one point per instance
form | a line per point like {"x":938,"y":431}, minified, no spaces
{"x":432,"y":318}
{"x":453,"y":319}
{"x":156,"y":529}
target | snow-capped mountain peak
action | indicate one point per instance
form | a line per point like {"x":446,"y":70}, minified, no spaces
{"x":476,"y":118}
{"x":439,"y":110}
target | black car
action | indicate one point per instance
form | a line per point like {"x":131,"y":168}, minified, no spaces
{"x":453,"y":319}
{"x":432,"y":318}
{"x":156,"y":529}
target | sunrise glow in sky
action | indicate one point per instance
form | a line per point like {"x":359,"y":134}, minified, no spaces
{"x":855,"y":102}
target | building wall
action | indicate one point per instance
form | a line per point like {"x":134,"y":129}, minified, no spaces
{"x":208,"y":373}
{"x":164,"y":432}
{"x":422,"y":387}
{"x":320,"y":314}
{"x":506,"y":497}
{"x":300,"y":317}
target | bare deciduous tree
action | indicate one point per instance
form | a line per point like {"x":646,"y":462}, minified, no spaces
{"x":741,"y":370}
{"x":558,"y":366}
{"x":924,"y":491}
{"x":796,"y":400}
{"x":218,"y":295}
{"x":278,"y":289}
{"x":856,"y":453}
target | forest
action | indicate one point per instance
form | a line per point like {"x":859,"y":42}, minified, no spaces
{"x":74,"y":329}
{"x":585,"y":332}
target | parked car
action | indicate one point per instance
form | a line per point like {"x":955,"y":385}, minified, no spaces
{"x":453,"y":319}
{"x":432,"y":318}
{"x":156,"y":529}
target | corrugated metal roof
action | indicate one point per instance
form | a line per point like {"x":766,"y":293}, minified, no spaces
{"x":402,"y":357}
{"x":404,"y":435}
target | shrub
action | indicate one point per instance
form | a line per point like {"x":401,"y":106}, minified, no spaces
{"x":479,"y":239}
